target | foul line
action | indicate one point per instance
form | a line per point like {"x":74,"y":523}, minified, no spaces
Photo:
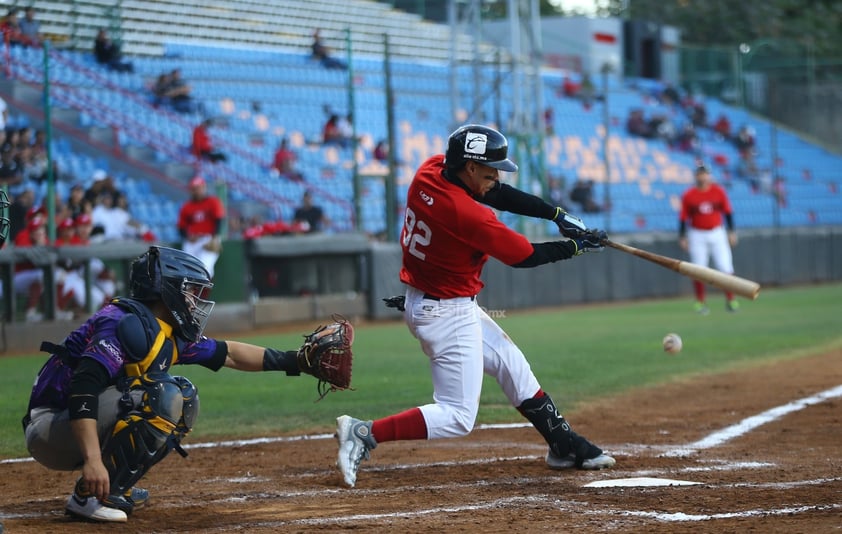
{"x":712,"y":440}
{"x":750,"y":423}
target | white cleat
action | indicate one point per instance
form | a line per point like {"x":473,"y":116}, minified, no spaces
{"x":90,"y":508}
{"x":355,"y":442}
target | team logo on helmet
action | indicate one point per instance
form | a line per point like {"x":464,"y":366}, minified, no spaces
{"x":475,"y":143}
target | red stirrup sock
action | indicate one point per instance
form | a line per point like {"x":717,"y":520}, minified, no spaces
{"x":402,"y":426}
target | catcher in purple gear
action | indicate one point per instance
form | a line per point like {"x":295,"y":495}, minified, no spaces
{"x":105,"y":402}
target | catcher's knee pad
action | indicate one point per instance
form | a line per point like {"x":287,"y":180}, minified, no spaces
{"x":141,"y":438}
{"x":189,"y":407}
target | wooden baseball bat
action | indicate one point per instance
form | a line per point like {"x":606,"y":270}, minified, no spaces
{"x":726,"y":282}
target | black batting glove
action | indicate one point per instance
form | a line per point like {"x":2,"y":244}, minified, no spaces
{"x":590,"y":241}
{"x":569,"y":225}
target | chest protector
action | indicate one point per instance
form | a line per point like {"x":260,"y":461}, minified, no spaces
{"x":146,"y":340}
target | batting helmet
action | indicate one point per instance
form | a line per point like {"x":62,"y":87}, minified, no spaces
{"x":180,"y":281}
{"x":478,"y":143}
{"x":4,"y":217}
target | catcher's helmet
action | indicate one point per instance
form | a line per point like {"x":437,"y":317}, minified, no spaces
{"x":4,"y":217}
{"x":478,"y":143}
{"x":180,"y":281}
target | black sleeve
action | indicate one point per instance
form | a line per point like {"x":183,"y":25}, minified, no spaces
{"x":682,"y":228}
{"x":729,"y":221}
{"x":549,"y":252}
{"x":89,"y":379}
{"x":218,"y":361}
{"x":507,"y":198}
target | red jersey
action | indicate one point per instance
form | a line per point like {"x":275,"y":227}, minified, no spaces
{"x":704,"y":209}
{"x":201,"y":141}
{"x":448,"y":236}
{"x":200,"y":217}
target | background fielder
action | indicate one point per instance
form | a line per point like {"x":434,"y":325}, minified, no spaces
{"x":446,"y":239}
{"x":703,"y":207}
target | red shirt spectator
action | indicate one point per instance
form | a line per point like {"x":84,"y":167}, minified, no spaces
{"x":202,"y":146}
{"x":202,"y":214}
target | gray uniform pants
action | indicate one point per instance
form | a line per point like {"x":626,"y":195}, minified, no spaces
{"x":50,"y":439}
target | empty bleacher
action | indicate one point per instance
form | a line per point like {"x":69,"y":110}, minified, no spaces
{"x":236,"y":54}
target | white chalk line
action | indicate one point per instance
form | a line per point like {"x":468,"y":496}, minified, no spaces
{"x":710,"y":441}
{"x":750,"y":423}
{"x":682,"y":517}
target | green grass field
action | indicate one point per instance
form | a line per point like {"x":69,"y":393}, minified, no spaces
{"x":578,"y":353}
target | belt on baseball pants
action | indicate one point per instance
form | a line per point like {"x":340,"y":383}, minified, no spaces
{"x":433,"y":297}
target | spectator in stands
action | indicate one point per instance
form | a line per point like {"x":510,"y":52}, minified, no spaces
{"x":11,"y":173}
{"x":30,"y":28}
{"x":4,"y":116}
{"x":569,"y":88}
{"x":744,"y":140}
{"x":107,"y":53}
{"x":687,"y":140}
{"x":70,"y":276}
{"x":29,"y":278}
{"x":582,"y":194}
{"x":200,"y":224}
{"x":699,"y":115}
{"x":587,"y":91}
{"x":345,"y":126}
{"x":309,"y":214}
{"x":159,"y":89}
{"x":331,"y":134}
{"x":179,"y":92}
{"x":670,"y":96}
{"x":10,"y":26}
{"x":76,"y":202}
{"x":322,"y":53}
{"x":202,"y":146}
{"x":722,"y":127}
{"x":284,"y":162}
{"x":381,"y":151}
{"x":636,"y":124}
{"x":112,"y":220}
{"x":18,"y":210}
{"x":102,"y":182}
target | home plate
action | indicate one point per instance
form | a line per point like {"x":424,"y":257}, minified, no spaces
{"x":638,"y":482}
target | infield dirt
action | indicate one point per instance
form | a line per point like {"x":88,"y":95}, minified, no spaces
{"x":782,"y":476}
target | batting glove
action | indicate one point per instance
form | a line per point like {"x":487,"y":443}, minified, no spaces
{"x":590,"y":241}
{"x":569,"y":225}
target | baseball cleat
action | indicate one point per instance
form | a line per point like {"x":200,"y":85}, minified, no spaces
{"x":355,"y":442}
{"x":137,"y":496}
{"x":90,"y":508}
{"x":603,"y":461}
{"x":701,"y":308}
{"x":732,"y":305}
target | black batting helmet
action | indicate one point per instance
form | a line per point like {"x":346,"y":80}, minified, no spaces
{"x":178,"y":279}
{"x":4,"y":217}
{"x":478,"y":143}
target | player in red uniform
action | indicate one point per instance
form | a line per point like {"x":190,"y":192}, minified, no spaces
{"x":449,"y":233}
{"x":200,"y":224}
{"x":703,"y":207}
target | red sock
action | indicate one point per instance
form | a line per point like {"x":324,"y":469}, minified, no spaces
{"x":402,"y":426}
{"x":699,"y":289}
{"x":729,"y":296}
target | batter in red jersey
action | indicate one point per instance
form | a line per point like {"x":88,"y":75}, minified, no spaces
{"x":702,"y":234}
{"x":449,"y":233}
{"x":200,"y":224}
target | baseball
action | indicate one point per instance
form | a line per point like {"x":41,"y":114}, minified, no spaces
{"x":672,"y":343}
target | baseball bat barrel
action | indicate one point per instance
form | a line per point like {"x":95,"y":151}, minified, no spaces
{"x":727,"y":282}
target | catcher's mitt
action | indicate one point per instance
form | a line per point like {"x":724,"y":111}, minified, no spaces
{"x":326,"y":354}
